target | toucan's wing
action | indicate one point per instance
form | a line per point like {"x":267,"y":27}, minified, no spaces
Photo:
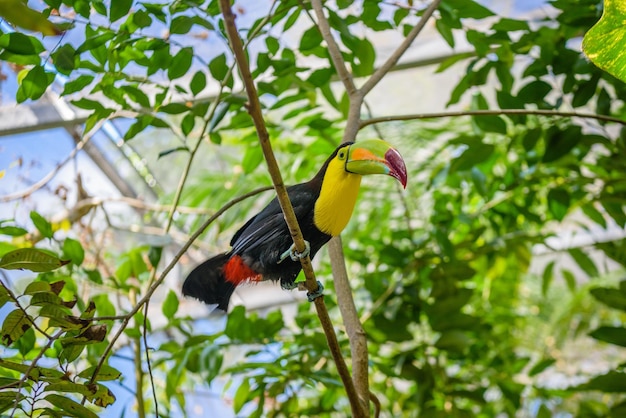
{"x":270,"y":224}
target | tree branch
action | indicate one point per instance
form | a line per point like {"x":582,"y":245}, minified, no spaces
{"x":126,"y":318}
{"x":492,"y":112}
{"x":254,"y":109}
{"x":333,"y":49}
{"x":397,"y":54}
{"x":354,"y":328}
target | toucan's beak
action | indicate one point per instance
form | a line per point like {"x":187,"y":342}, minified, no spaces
{"x":374,"y":156}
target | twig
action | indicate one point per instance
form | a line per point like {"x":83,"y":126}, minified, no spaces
{"x":126,"y":318}
{"x":397,"y":54}
{"x":254,"y":109}
{"x":32,"y":365}
{"x":333,"y":49}
{"x":45,"y":179}
{"x":21,"y":308}
{"x":492,"y":112}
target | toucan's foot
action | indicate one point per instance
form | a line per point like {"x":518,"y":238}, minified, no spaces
{"x":311,"y":296}
{"x":288,"y":286}
{"x":295,"y":255}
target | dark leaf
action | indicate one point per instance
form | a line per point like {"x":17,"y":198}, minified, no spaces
{"x":611,"y":335}
{"x":610,"y":297}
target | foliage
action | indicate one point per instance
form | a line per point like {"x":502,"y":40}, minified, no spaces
{"x":602,"y":42}
{"x":458,"y":323}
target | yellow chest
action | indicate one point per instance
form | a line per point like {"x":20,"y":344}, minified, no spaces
{"x":335,"y":204}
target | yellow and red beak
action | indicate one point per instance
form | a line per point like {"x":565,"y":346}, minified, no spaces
{"x":374,"y":156}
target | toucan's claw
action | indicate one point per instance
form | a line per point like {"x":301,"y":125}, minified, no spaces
{"x":294,"y":254}
{"x":311,"y":296}
{"x":288,"y":286}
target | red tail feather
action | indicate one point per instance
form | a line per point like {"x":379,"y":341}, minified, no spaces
{"x":237,"y":271}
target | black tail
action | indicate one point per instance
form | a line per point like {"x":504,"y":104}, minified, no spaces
{"x":207,"y":282}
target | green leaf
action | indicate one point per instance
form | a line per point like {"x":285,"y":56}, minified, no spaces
{"x":311,"y":38}
{"x":547,"y":277}
{"x":558,"y":203}
{"x":534,"y":92}
{"x":13,"y":231}
{"x":453,"y":340}
{"x":252,"y":159}
{"x":43,"y":226}
{"x":604,"y":42}
{"x":198,"y":83}
{"x":106,"y":373}
{"x":18,"y":43}
{"x":188,"y":123}
{"x":242,"y":395}
{"x":72,"y":408}
{"x":610,"y":297}
{"x":584,"y":262}
{"x":611,"y":335}
{"x":73,"y":250}
{"x":4,"y":296}
{"x":14,"y":326}
{"x":170,"y":305}
{"x":173,"y":108}
{"x":541,"y":366}
{"x":445,"y":31}
{"x":612,"y":382}
{"x":78,"y":84}
{"x":8,"y":398}
{"x":181,"y":25}
{"x":475,"y":154}
{"x":218,"y":67}
{"x":95,"y":41}
{"x":65,"y":59}
{"x":34,"y":84}
{"x":570,"y":279}
{"x":594,"y":214}
{"x":181,"y":62}
{"x":219,"y":114}
{"x":466,"y":9}
{"x":119,"y":9}
{"x":31,"y":259}
{"x":561,"y":142}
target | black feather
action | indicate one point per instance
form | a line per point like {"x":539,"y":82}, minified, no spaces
{"x":208,"y":284}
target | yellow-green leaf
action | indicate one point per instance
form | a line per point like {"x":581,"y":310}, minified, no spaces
{"x":604,"y":42}
{"x":19,"y":14}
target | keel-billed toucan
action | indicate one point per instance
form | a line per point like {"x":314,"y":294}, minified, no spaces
{"x":323,"y":206}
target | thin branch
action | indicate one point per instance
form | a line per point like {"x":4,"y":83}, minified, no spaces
{"x":354,"y":328}
{"x":21,"y":308}
{"x":32,"y":365}
{"x":254,"y":109}
{"x":333,"y":49}
{"x":126,"y":318}
{"x":397,"y":54}
{"x":45,"y":179}
{"x":492,"y":112}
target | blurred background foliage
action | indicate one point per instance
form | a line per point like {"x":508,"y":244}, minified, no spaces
{"x":492,"y":286}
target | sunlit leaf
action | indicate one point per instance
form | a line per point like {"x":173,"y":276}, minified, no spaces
{"x":603,"y":43}
{"x":31,"y":259}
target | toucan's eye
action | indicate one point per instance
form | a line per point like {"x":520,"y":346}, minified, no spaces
{"x":342,"y":155}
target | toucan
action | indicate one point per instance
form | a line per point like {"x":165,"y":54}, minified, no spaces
{"x":262,"y":249}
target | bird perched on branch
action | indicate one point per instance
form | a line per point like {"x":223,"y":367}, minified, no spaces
{"x":263,"y":248}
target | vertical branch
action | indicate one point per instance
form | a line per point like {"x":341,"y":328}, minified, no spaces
{"x":354,"y":95}
{"x":393,"y":59}
{"x":354,"y":328}
{"x":254,"y":109}
{"x":345,"y":299}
